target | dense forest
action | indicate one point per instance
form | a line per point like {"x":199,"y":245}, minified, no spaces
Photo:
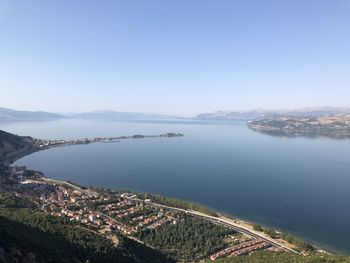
{"x":188,"y":239}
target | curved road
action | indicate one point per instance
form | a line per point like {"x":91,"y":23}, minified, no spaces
{"x":226,"y":223}
{"x":213,"y":219}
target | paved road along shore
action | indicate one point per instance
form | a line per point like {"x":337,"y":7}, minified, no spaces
{"x":217,"y":220}
{"x":226,"y":223}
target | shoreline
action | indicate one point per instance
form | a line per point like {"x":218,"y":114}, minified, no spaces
{"x":245,"y":222}
{"x":237,"y":225}
{"x":249,"y":224}
{"x":241,"y":225}
{"x":221,"y":217}
{"x":301,"y":132}
{"x":37,"y":145}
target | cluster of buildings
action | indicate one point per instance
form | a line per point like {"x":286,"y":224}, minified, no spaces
{"x":26,"y":189}
{"x":120,"y":213}
{"x":247,"y":250}
{"x":89,"y":208}
{"x":40,"y":143}
{"x":107,"y":212}
{"x":72,"y":204}
{"x":241,"y":249}
{"x":135,"y":216}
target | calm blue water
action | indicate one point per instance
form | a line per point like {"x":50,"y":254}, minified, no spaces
{"x":299,"y":185}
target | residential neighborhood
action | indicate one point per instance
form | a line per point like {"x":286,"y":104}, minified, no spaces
{"x":107,"y":213}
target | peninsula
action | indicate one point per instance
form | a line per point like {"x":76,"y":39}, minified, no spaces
{"x":13,"y":147}
{"x":333,"y":126}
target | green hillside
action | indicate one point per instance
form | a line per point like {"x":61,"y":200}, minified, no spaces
{"x":11,"y":144}
{"x":27,"y":233}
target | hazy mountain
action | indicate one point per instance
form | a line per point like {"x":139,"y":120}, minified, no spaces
{"x":14,"y":115}
{"x":261,"y":113}
{"x":233,"y":115}
{"x":318,"y":111}
{"x":116,"y":115}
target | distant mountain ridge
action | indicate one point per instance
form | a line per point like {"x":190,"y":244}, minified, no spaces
{"x":15,"y":115}
{"x":11,"y":115}
{"x":261,"y":113}
{"x":248,"y":115}
{"x":117,"y":115}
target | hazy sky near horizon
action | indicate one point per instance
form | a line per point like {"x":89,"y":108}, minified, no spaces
{"x":175,"y":57}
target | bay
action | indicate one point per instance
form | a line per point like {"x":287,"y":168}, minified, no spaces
{"x":298,"y":185}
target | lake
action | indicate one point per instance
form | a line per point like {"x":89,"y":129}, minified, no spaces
{"x":298,"y":185}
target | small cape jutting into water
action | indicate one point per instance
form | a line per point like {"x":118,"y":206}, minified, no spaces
{"x":13,"y":147}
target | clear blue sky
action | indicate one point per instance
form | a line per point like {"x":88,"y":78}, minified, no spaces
{"x":174,"y":56}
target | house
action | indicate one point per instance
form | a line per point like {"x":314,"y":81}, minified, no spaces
{"x":92,"y":218}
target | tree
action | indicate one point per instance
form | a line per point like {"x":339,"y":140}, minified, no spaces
{"x":272,"y":233}
{"x":257,"y":228}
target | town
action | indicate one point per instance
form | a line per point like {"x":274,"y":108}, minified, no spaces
{"x":106,"y":213}
{"x":44,"y":144}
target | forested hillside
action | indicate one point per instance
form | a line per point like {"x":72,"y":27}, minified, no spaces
{"x":11,"y":144}
{"x":29,"y":234}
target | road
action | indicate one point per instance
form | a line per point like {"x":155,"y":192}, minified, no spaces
{"x":226,"y":223}
{"x":66,"y":183}
{"x":216,"y":220}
